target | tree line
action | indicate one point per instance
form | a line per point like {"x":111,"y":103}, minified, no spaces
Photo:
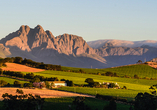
{"x":30,"y":76}
{"x":30,"y":63}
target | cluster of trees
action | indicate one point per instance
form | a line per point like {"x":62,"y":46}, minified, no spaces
{"x":22,"y":101}
{"x":68,"y":82}
{"x":27,"y":76}
{"x":110,"y":74}
{"x":91,"y":82}
{"x":30,"y":63}
{"x":145,"y":101}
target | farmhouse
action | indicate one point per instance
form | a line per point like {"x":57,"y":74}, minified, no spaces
{"x":57,"y":83}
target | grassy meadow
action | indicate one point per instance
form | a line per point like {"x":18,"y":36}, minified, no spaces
{"x":142,"y":70}
{"x":134,"y":86}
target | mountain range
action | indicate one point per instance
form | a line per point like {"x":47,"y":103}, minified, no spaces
{"x":73,"y":50}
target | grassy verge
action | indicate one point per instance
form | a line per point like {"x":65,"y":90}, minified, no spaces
{"x":62,"y":104}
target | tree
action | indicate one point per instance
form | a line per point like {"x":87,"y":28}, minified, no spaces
{"x":18,"y":60}
{"x":139,"y":62}
{"x":145,"y":101}
{"x":17,"y":84}
{"x":90,"y":82}
{"x":35,"y":80}
{"x":1,"y":71}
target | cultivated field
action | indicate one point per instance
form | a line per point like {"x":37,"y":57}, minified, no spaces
{"x":134,"y":86}
{"x":20,"y":68}
{"x":44,"y":93}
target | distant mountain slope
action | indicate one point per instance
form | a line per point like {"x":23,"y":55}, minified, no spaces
{"x":4,"y":51}
{"x":72,"y":50}
{"x":121,"y":43}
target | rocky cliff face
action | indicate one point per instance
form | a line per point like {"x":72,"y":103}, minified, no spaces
{"x":28,"y":39}
{"x":69,"y":50}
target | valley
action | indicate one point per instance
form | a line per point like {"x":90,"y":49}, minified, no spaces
{"x":147,"y":77}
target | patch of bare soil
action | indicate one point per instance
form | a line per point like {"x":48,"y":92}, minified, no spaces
{"x":44,"y":93}
{"x":20,"y":68}
{"x":152,"y":64}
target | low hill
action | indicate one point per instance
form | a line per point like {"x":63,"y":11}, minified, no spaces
{"x":20,"y":68}
{"x":142,"y":70}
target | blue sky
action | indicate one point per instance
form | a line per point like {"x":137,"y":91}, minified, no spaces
{"x":132,"y":20}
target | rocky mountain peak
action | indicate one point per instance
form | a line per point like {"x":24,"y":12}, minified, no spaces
{"x":24,"y":29}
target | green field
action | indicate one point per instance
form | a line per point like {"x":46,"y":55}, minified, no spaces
{"x":134,"y":86}
{"x":11,"y":81}
{"x":142,"y":70}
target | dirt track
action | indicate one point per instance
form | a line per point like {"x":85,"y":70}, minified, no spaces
{"x":21,"y":68}
{"x":44,"y":93}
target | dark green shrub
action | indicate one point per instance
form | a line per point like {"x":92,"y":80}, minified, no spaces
{"x":109,"y":74}
{"x":136,"y":76}
{"x":35,"y":80}
{"x":3,"y":83}
{"x":89,"y":80}
{"x":17,"y":84}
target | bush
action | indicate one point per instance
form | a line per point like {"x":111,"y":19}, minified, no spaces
{"x":35,"y":80}
{"x":28,"y":84}
{"x":3,"y":83}
{"x":112,"y":85}
{"x":109,"y":74}
{"x":124,"y":87}
{"x":136,"y":76}
{"x":89,"y":80}
{"x":126,"y":76}
{"x":17,"y":84}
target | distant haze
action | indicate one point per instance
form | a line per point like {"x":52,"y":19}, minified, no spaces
{"x":121,"y":43}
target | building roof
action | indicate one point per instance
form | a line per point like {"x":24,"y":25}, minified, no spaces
{"x":57,"y":81}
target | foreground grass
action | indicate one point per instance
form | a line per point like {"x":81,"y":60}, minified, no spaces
{"x":62,"y":104}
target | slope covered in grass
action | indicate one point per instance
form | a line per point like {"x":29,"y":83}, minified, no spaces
{"x":11,"y":81}
{"x":142,"y":70}
{"x":134,"y":85}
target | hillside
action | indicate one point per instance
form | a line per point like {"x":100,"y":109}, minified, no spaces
{"x":20,"y":68}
